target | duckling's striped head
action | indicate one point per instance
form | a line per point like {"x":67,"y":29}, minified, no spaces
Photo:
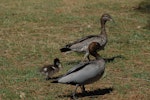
{"x":57,"y":62}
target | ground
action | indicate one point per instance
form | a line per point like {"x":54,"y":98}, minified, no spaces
{"x":33,"y":31}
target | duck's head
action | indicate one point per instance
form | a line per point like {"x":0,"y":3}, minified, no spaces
{"x":106,"y":17}
{"x":57,"y":62}
{"x":93,"y":47}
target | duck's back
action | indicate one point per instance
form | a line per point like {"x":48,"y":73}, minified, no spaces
{"x":82,"y":45}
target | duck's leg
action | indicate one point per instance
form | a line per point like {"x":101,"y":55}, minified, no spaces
{"x":83,"y":89}
{"x":86,"y":56}
{"x":75,"y":92}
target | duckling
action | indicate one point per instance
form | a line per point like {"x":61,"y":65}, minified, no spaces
{"x":82,"y":44}
{"x":50,"y":70}
{"x":86,"y":72}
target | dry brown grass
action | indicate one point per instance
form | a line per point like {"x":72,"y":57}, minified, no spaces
{"x":33,"y":31}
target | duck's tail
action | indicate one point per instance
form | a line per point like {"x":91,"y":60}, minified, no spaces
{"x":65,"y":49}
{"x":55,"y":81}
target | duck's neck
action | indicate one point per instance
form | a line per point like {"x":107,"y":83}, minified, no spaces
{"x":96,"y":55}
{"x":55,"y":65}
{"x":103,"y":29}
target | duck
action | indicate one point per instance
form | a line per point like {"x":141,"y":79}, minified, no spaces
{"x":51,"y":69}
{"x":85,"y":72}
{"x":81,"y":45}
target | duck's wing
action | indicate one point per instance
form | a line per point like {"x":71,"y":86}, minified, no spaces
{"x":81,"y":40}
{"x":73,"y":69}
{"x":77,"y":67}
{"x":80,"y":45}
{"x":86,"y":74}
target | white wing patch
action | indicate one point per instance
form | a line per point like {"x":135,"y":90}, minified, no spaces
{"x":45,"y":69}
{"x":84,"y":48}
{"x":54,"y":68}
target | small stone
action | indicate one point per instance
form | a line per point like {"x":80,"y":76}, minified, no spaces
{"x":89,"y":26}
{"x":22,"y":95}
{"x":138,"y":27}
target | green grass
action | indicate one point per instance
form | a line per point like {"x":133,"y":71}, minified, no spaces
{"x":33,"y":31}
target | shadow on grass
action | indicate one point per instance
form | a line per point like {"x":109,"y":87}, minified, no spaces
{"x":144,"y":7}
{"x":53,"y":78}
{"x":111,"y":59}
{"x":73,"y":62}
{"x":91,"y":94}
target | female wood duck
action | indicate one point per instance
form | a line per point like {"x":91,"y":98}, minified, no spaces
{"x":81,"y":45}
{"x":50,"y":70}
{"x":85,"y":72}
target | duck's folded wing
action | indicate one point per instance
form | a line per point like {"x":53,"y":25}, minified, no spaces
{"x":77,"y":67}
{"x":74,"y":69}
{"x":86,"y":74}
{"x":80,"y":40}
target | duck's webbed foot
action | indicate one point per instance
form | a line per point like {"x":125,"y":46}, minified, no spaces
{"x":84,"y":92}
{"x":74,"y":93}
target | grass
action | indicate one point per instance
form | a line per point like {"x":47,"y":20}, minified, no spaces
{"x":33,"y":31}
